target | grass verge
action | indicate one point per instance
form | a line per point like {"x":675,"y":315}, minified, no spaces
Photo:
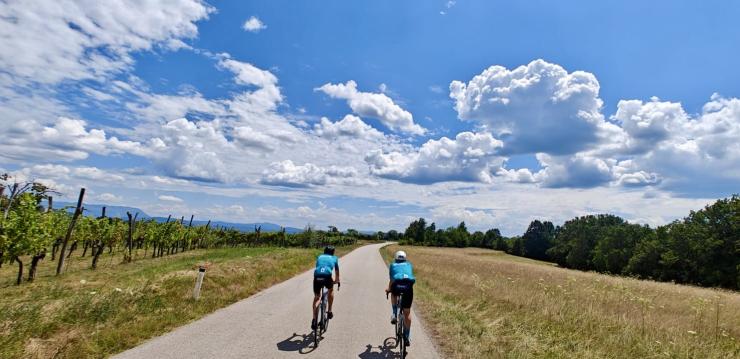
{"x":486,"y":304}
{"x":87,"y":313}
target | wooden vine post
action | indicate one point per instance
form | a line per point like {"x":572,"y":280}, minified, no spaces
{"x":185,"y":242}
{"x":131,"y":228}
{"x":98,"y":250}
{"x":78,"y":212}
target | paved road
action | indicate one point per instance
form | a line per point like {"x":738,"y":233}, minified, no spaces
{"x":275,"y":323}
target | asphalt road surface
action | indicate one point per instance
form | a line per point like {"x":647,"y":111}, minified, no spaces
{"x":275,"y":323}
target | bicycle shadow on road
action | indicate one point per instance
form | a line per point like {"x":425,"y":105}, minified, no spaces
{"x":384,"y":351}
{"x":301,"y":343}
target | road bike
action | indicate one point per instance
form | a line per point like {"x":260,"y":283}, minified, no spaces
{"x":400,"y":325}
{"x":323,"y":323}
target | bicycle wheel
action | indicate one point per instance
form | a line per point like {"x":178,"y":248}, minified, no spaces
{"x":326,"y":324}
{"x":401,"y":327}
{"x":402,"y":339}
{"x":399,"y":322}
{"x":323,"y":312}
{"x":316,"y":337}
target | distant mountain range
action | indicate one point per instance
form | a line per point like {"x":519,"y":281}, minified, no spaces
{"x":95,"y":210}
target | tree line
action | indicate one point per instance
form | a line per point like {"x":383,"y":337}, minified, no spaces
{"x":32,"y":230}
{"x":703,"y":248}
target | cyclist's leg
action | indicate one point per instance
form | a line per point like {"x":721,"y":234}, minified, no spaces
{"x":407,"y":322}
{"x":315,"y":306}
{"x":394,"y":303}
{"x":316,"y":297}
{"x":394,"y":299}
{"x":408,"y":299}
{"x":331,"y":297}
{"x":331,"y":301}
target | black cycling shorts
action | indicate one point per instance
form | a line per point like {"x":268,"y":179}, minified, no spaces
{"x":407,"y":288}
{"x":322,"y":282}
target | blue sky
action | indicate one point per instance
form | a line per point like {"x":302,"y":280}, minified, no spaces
{"x":368,"y":114}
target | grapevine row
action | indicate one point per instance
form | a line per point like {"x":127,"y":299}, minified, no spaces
{"x":32,"y":230}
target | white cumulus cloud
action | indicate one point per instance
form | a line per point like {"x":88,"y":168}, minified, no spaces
{"x":349,"y":126}
{"x":699,"y":153}
{"x":470,"y":157}
{"x":66,"y":140}
{"x":538,"y":107}
{"x":78,"y":40}
{"x":574,"y":171}
{"x":254,"y":24}
{"x":286,"y":173}
{"x":192,"y":150}
{"x":375,"y":105}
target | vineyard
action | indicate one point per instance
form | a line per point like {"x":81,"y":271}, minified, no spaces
{"x":31,"y":231}
{"x":78,"y":285}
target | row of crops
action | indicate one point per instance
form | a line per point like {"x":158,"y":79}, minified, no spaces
{"x":31,"y":231}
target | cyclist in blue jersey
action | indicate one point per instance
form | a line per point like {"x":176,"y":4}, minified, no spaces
{"x":326,"y":264}
{"x":402,"y":280}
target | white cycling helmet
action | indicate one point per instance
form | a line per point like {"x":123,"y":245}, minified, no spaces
{"x":400,"y":256}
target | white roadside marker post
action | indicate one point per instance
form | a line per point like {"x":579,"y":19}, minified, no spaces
{"x":199,"y":282}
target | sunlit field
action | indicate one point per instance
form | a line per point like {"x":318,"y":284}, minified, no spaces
{"x":486,"y":304}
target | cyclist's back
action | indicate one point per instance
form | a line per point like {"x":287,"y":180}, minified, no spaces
{"x":401,"y":271}
{"x":325,"y":265}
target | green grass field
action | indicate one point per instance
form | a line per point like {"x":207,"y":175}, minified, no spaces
{"x":87,"y":313}
{"x":487,"y":304}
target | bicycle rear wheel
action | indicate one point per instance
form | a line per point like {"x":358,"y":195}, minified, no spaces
{"x":402,"y":338}
{"x":398,"y":336}
{"x":401,"y":327}
{"x":323,"y":312}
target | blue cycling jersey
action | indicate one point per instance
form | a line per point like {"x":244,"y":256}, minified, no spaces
{"x":401,"y":270}
{"x":325,"y":265}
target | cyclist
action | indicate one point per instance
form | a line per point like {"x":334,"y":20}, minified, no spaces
{"x":322,"y":278}
{"x":402,"y":281}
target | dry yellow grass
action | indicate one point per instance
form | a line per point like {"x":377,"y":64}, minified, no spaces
{"x":487,"y":304}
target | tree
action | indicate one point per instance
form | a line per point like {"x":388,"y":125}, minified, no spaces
{"x":461,"y":236}
{"x":415,"y":232}
{"x":490,"y":238}
{"x":574,"y":242}
{"x":712,"y":236}
{"x":476,"y":239}
{"x":516,"y":247}
{"x":703,"y":248}
{"x":538,"y":239}
{"x":617,"y":245}
{"x":646,"y":258}
{"x":430,"y":235}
